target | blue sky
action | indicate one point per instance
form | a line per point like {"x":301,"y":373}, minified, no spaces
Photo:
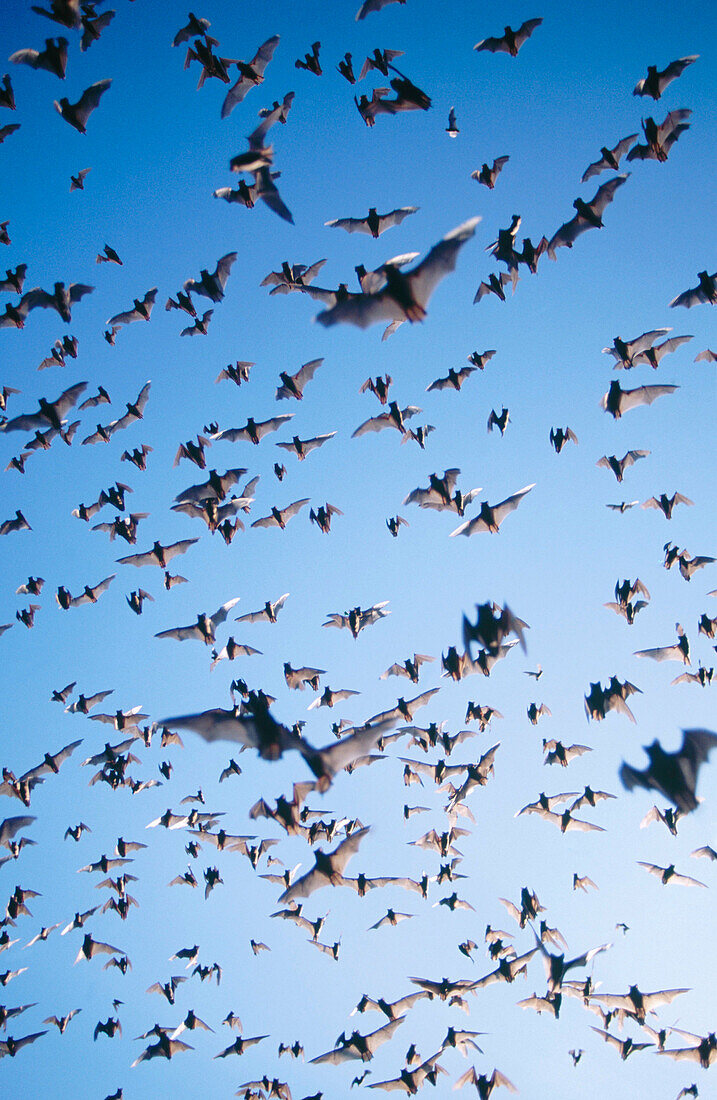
{"x":157,"y":149}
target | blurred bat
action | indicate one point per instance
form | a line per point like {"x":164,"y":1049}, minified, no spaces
{"x":510,"y":41}
{"x":673,"y":774}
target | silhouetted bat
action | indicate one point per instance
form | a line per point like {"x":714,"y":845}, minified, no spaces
{"x":78,"y":113}
{"x":704,"y":292}
{"x":655,"y":82}
{"x":374,"y":224}
{"x":588,"y":216}
{"x":510,"y":41}
{"x":251,"y":74}
{"x":491,"y":516}
{"x":406,"y":295}
{"x":53,"y":59}
{"x":618,"y":401}
{"x":610,"y":159}
{"x":292,"y":385}
{"x":204,"y":627}
{"x":674,"y":774}
{"x":140,"y":312}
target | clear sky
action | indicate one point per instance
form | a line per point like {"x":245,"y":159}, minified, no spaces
{"x":158,"y":149}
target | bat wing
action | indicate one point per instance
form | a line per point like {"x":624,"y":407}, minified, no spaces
{"x":643,"y":395}
{"x":220,"y":615}
{"x":90,"y":99}
{"x":440,"y":261}
{"x":306,"y":373}
{"x":396,"y":217}
{"x":606,"y":193}
{"x":351,"y":225}
{"x":493,"y":45}
{"x":182,"y":633}
{"x":662,"y":653}
{"x":500,"y":511}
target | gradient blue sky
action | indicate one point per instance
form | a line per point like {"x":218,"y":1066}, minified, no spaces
{"x":158,"y":149}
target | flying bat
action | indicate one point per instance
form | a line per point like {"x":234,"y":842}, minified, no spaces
{"x":665,"y":504}
{"x":588,"y":216}
{"x":141,"y":310}
{"x":53,"y":59}
{"x":660,"y":139}
{"x":669,"y":876}
{"x":253,"y":431}
{"x":488,"y":174}
{"x":655,"y":82}
{"x":292,"y":385}
{"x":158,"y":555}
{"x":610,"y":159}
{"x":680,"y":651}
{"x":405,"y":295}
{"x":78,"y":113}
{"x":251,"y":75}
{"x":704,"y":292}
{"x":618,"y":401}
{"x":49,"y":412}
{"x":357,"y":1046}
{"x":256,"y":727}
{"x":279,"y":517}
{"x":212,"y":285}
{"x":619,"y":465}
{"x":267,"y":613}
{"x":303,"y":447}
{"x":358,"y":618}
{"x":491,"y":516}
{"x":374,"y":224}
{"x":511,"y":40}
{"x":654,"y":355}
{"x":673,"y":774}
{"x":204,"y":628}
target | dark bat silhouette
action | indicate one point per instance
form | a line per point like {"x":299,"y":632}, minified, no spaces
{"x":511,"y":40}
{"x":251,"y":75}
{"x":655,"y":82}
{"x":673,"y":774}
{"x":53,"y":59}
{"x":588,"y":216}
{"x":78,"y":113}
{"x":374,"y":224}
{"x":610,"y":159}
{"x":704,"y":292}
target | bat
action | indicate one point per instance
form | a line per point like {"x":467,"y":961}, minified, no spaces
{"x":253,"y":431}
{"x":618,"y":401}
{"x":141,"y":310}
{"x":374,"y":224}
{"x":660,"y":139}
{"x":488,"y":174}
{"x":511,"y":40}
{"x":251,"y":75}
{"x":158,"y":555}
{"x":655,"y":82}
{"x":212,"y":285}
{"x":588,"y":216}
{"x":491,"y":516}
{"x":673,"y":774}
{"x":53,"y":59}
{"x":77,"y":114}
{"x":303,"y":447}
{"x":610,"y":159}
{"x":406,"y":295}
{"x":619,"y":465}
{"x":279,"y":517}
{"x":292,"y":385}
{"x":204,"y":628}
{"x":668,"y":875}
{"x":704,"y":292}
